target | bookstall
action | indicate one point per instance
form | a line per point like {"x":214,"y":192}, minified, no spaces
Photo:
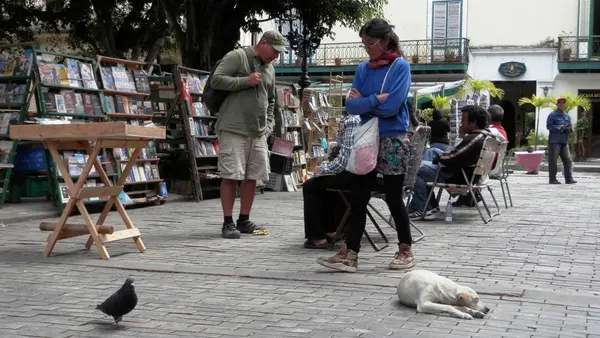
{"x":67,"y":90}
{"x":125,"y":97}
{"x":17,"y":83}
{"x":199,"y":127}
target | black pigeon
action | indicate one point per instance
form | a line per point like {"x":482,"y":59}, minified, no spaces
{"x":121,"y":302}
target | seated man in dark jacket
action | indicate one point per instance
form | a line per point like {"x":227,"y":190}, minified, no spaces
{"x":465,"y":155}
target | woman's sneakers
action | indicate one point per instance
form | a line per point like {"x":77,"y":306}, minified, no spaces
{"x":345,"y":260}
{"x":403,"y":259}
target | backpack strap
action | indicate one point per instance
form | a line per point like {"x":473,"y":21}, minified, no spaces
{"x":250,"y":56}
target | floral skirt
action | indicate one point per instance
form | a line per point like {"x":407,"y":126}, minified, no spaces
{"x":394,"y":153}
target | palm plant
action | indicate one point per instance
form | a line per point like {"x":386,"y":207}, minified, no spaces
{"x":538,"y":102}
{"x":474,"y":86}
{"x":438,"y":102}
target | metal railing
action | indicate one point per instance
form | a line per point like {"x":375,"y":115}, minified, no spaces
{"x":579,"y":48}
{"x":431,"y":51}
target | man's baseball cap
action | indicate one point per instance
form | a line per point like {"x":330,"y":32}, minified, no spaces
{"x":275,"y":39}
{"x":561,"y":99}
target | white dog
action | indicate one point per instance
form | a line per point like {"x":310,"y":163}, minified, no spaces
{"x":432,"y":293}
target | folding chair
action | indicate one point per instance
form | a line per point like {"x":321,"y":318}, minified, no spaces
{"x":342,"y":226}
{"x":501,"y":173}
{"x":418,"y":143}
{"x":482,"y":168}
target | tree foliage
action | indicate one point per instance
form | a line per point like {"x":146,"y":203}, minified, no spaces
{"x":202,"y":31}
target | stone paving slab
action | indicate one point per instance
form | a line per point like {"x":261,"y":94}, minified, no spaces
{"x":535,"y":265}
{"x":43,"y":300}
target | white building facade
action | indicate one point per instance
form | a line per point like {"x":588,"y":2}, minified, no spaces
{"x":525,"y":47}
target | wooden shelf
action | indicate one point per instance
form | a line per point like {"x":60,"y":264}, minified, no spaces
{"x":208,"y":156}
{"x":109,"y":92}
{"x":130,"y":116}
{"x":143,"y":160}
{"x":55,"y":113}
{"x":204,"y":117}
{"x":206,"y":137}
{"x":81,"y":89}
{"x":143,"y":182}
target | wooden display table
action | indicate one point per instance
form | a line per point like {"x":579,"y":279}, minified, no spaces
{"x":91,"y":138}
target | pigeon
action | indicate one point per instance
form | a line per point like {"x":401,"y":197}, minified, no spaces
{"x":121,"y":302}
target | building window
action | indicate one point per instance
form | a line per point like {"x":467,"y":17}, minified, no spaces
{"x":446,"y":28}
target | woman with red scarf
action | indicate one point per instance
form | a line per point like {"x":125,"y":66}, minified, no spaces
{"x":380,"y":89}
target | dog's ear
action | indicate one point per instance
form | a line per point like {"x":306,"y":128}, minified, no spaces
{"x":462,"y":296}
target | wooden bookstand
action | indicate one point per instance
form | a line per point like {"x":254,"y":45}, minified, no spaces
{"x":91,"y":138}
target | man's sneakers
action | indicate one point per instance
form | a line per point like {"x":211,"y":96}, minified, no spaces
{"x":229,"y":231}
{"x":403,"y":259}
{"x":248,"y":227}
{"x":418,"y":214}
{"x":234,"y":231}
{"x":555,"y":181}
{"x":345,"y":260}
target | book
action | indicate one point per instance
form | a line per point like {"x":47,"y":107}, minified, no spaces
{"x":60,"y":104}
{"x":88,"y":105}
{"x":69,"y":100}
{"x":79,"y":108}
{"x":107,"y":78}
{"x":63,"y":75}
{"x":87,"y":75}
{"x":73,"y":73}
{"x":141,"y":81}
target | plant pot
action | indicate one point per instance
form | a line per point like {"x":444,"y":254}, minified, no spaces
{"x":566,"y":54}
{"x":338,"y":61}
{"x":529,"y":161}
{"x":298,"y":62}
{"x":415,"y":59}
{"x":454,"y":59}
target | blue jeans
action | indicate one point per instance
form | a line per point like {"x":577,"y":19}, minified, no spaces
{"x":435,"y":150}
{"x":426,"y":174}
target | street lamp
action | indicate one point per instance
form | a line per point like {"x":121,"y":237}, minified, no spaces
{"x":304,"y":44}
{"x":546,"y":89}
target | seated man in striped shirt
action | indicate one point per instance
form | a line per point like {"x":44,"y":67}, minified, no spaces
{"x":321,"y":206}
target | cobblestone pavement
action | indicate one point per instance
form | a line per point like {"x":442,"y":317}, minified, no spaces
{"x":534,"y":265}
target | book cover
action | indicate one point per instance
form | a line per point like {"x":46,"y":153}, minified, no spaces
{"x":119,"y":104}
{"x":79,"y":109}
{"x":63,"y":75}
{"x":88,"y":105}
{"x":73,"y":73}
{"x":126,"y":105}
{"x":10,"y":68}
{"x":121,"y":79}
{"x":107,"y":78}
{"x":23,"y":67}
{"x":69,"y":99}
{"x":142,"y":84}
{"x":49,"y":100}
{"x":97,"y":104}
{"x":60,"y":104}
{"x":87,"y":75}
{"x":47,"y":73}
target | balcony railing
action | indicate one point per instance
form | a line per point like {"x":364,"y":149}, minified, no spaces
{"x":579,"y":48}
{"x":432,"y":51}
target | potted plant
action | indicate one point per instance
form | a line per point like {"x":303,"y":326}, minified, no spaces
{"x":415,"y":58}
{"x":474,"y":86}
{"x":338,"y":61}
{"x":566,"y":54}
{"x":532,"y":159}
{"x":451,"y":56}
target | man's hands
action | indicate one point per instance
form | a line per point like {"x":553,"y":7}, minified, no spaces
{"x":355,"y":94}
{"x":254,"y":79}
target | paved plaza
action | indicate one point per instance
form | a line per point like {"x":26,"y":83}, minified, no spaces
{"x":534,"y":266}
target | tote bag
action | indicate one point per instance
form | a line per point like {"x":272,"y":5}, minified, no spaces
{"x":363,"y":156}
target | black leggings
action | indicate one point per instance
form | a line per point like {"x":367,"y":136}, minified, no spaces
{"x":393,"y":185}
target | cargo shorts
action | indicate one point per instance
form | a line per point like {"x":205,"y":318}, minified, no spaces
{"x":242,"y":157}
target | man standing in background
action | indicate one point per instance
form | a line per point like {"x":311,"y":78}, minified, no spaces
{"x":246,"y":118}
{"x":559,"y":127}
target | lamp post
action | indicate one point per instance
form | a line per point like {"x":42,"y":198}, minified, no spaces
{"x":304,"y":44}
{"x":546,"y":89}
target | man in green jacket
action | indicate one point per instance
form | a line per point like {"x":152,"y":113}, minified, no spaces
{"x":245,"y":119}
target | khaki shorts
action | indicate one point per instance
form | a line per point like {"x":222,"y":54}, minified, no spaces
{"x":242,"y":157}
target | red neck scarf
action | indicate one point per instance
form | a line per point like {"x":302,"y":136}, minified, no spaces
{"x":383,"y":60}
